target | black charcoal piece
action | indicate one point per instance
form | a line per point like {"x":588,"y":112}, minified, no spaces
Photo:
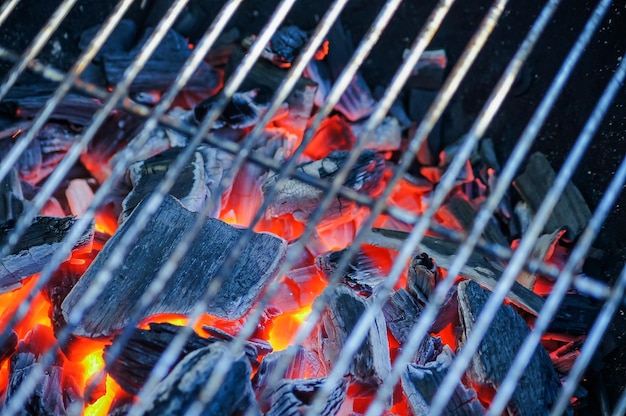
{"x":420,"y":382}
{"x":362,"y":274}
{"x":11,"y":197}
{"x":422,"y":276}
{"x":8,"y":347}
{"x":481,"y":268}
{"x":133,"y":365}
{"x":533,"y":185}
{"x":300,"y":199}
{"x":180,"y":389}
{"x":40,"y":241}
{"x":242,"y":111}
{"x":294,"y":398}
{"x":255,"y":267}
{"x":370,"y":364}
{"x":287,"y":42}
{"x":189,"y":187}
{"x":27,"y":101}
{"x":489,"y":366}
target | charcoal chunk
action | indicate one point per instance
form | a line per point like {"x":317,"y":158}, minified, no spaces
{"x":294,"y":397}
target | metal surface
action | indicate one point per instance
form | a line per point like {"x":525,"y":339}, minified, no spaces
{"x":517,"y":260}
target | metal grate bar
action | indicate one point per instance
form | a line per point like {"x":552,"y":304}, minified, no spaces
{"x":37,"y":45}
{"x":7,"y":8}
{"x":584,"y":243}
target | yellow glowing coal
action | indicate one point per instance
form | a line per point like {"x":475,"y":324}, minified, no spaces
{"x":285,"y":326}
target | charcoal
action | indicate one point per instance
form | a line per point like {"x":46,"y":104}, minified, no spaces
{"x":60,"y":284}
{"x":27,"y":101}
{"x":533,"y":185}
{"x":180,"y":389}
{"x":43,"y":154}
{"x":300,"y":199}
{"x":386,"y":136}
{"x":255,"y":267}
{"x":420,"y":382}
{"x":370,"y":364}
{"x":481,"y":268}
{"x":422,"y":276}
{"x":294,"y":398}
{"x":428,"y":73}
{"x":8,"y":346}
{"x":356,"y":102}
{"x":41,"y":240}
{"x":498,"y":349}
{"x":54,"y":393}
{"x":254,"y":347}
{"x":286,"y":44}
{"x":576,"y":315}
{"x":160,"y":70}
{"x":363,"y":274}
{"x":133,"y":365}
{"x":542,"y":250}
{"x":189,"y":187}
{"x":461,"y":213}
{"x":11,"y":197}
{"x":243,"y":110}
{"x":79,"y":196}
{"x":419,"y":102}
{"x":267,"y":76}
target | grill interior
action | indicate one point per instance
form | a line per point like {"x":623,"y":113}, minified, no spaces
{"x":542,"y":78}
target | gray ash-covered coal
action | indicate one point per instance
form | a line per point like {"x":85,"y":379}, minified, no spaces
{"x":300,"y":199}
{"x":255,"y":267}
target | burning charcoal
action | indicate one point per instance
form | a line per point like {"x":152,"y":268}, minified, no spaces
{"x":178,"y":391}
{"x":460,"y":213}
{"x":544,"y":248}
{"x":480,"y":268}
{"x":254,"y":347}
{"x":429,"y":71}
{"x":160,"y":70}
{"x":497,"y":352}
{"x":145,"y":176}
{"x":420,"y":382}
{"x":386,"y":136}
{"x":79,"y":196}
{"x":571,"y":211}
{"x":55,"y":392}
{"x":356,"y":102}
{"x":243,"y":110}
{"x":8,"y":347}
{"x":35,"y":248}
{"x":142,"y":351}
{"x":422,"y":276}
{"x":268,"y":77}
{"x":370,"y":365}
{"x":284,"y":46}
{"x":293,"y":398}
{"x":333,"y":134}
{"x":27,"y":101}
{"x":301,"y":199}
{"x":43,"y":154}
{"x":256,"y":266}
{"x":11,"y":197}
{"x":363,"y":273}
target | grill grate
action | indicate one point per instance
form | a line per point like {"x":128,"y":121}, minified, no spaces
{"x":612,"y":296}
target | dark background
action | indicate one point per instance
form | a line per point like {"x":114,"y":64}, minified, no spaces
{"x":555,"y":139}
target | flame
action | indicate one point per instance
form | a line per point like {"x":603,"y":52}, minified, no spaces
{"x":285,"y":326}
{"x":38,"y":312}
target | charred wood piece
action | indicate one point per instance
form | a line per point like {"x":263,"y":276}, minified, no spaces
{"x":43,"y":154}
{"x":483,"y":269}
{"x":8,"y":347}
{"x":370,"y":364}
{"x":300,"y":199}
{"x":161,"y":68}
{"x":11,"y":197}
{"x":498,"y":349}
{"x":41,"y":240}
{"x":534,"y":183}
{"x":363,"y":274}
{"x":255,"y":267}
{"x":142,"y":351}
{"x":294,"y":397}
{"x":283,"y":47}
{"x":27,"y":101}
{"x":420,"y":382}
{"x":253,"y":348}
{"x":401,"y":312}
{"x":543,"y":249}
{"x":180,"y":389}
{"x":422,"y":276}
{"x":244,"y":109}
{"x":189,"y":187}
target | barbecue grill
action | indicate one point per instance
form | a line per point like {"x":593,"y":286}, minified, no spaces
{"x":212,"y":122}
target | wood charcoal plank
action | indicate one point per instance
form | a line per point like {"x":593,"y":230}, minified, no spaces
{"x":179,"y":390}
{"x":498,"y":349}
{"x":255,"y":267}
{"x":533,"y":185}
{"x":294,"y":397}
{"x":371,"y":364}
{"x":33,"y":250}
